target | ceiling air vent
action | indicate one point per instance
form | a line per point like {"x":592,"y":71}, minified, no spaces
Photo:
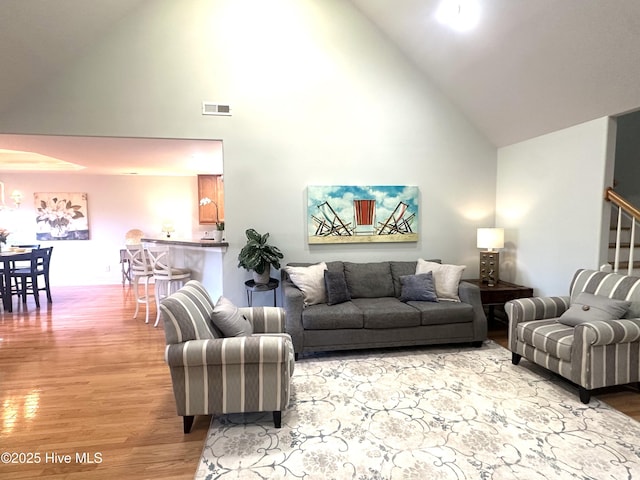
{"x":209,"y":108}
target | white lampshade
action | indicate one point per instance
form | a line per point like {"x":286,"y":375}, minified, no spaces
{"x":490,"y":238}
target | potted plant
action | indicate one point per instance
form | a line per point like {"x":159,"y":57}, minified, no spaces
{"x":219,"y":232}
{"x":258,"y":256}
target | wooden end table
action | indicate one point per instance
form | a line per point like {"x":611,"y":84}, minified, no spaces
{"x":499,"y":294}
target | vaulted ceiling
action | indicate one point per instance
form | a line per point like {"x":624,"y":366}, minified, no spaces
{"x":530,"y":67}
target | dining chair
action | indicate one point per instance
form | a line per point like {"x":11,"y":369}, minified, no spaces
{"x":167,"y":277}
{"x":140,"y":268}
{"x":23,"y":264}
{"x":26,"y":280}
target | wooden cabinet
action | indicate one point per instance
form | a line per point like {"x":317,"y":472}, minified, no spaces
{"x":212,"y":187}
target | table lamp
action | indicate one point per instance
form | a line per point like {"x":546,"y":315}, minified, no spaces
{"x":168,"y":229}
{"x":490,"y":239}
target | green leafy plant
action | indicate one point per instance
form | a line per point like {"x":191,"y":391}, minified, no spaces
{"x":257,"y":254}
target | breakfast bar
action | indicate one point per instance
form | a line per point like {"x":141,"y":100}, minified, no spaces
{"x":203,"y":257}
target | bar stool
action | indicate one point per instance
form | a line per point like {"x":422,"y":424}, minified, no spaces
{"x":167,"y":278}
{"x":140,"y":268}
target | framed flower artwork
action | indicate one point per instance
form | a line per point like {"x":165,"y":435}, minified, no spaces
{"x":61,"y":216}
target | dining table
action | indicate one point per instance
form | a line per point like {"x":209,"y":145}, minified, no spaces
{"x":7,"y":258}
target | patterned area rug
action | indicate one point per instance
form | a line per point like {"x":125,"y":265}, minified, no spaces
{"x":426,"y":414}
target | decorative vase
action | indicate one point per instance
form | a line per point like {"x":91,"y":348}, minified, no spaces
{"x":60,"y":231}
{"x":261,"y":278}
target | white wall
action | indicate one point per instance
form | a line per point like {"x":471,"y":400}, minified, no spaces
{"x":550,"y":197}
{"x":116,"y":204}
{"x":319,"y":96}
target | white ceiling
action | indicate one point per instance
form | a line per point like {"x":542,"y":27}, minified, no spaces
{"x":111,"y":155}
{"x":530,"y":67}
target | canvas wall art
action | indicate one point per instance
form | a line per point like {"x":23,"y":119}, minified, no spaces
{"x":359,"y":214}
{"x":61,"y":216}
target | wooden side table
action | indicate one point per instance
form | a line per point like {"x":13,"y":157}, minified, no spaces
{"x":500,"y":294}
{"x":252,"y":286}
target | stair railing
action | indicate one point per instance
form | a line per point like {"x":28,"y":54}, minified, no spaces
{"x":625,"y":210}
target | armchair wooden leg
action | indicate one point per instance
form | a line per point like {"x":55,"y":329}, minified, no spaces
{"x":188,"y":423}
{"x":277,"y":418}
{"x":585,"y":395}
{"x":515,"y":358}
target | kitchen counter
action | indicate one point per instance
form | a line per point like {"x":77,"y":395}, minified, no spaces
{"x":203,"y":257}
{"x":193,"y":242}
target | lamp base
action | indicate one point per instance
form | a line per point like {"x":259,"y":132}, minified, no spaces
{"x":489,"y":267}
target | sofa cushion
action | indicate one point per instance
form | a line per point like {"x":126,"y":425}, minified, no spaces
{"x":226,"y":318}
{"x":418,"y":288}
{"x":399,"y":269}
{"x":332,"y":317}
{"x":447,"y":278}
{"x":549,"y":336}
{"x":311,"y":281}
{"x":336,"y":286}
{"x":369,"y":280}
{"x":441,"y":313}
{"x":588,"y":307}
{"x":387,"y":312}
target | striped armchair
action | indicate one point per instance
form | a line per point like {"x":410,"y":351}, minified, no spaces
{"x":214,"y":375}
{"x":593,"y":354}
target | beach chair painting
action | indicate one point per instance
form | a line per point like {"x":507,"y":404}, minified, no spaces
{"x":329,"y":223}
{"x":365,"y":215}
{"x":361,"y":214}
{"x":397,"y":221}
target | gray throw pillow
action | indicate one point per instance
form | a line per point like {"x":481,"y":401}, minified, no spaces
{"x":336,"y":285}
{"x":227,"y":318}
{"x":418,"y":288}
{"x":588,"y":307}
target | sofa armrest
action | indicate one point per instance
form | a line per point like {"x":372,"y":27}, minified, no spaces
{"x":256,"y":349}
{"x":265,"y":319}
{"x":534,"y":308}
{"x":293,"y":303}
{"x":610,"y":332}
{"x":470,"y":293}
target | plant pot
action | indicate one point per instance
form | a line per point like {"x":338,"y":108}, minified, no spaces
{"x":261,"y":278}
{"x":217,"y":235}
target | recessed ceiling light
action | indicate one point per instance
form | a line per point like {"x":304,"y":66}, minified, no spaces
{"x":461,"y":15}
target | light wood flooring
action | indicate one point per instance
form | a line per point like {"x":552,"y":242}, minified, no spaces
{"x":82,"y":377}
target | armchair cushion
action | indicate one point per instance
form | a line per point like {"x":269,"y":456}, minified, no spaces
{"x":265,"y":319}
{"x":588,"y":307}
{"x":228,"y":319}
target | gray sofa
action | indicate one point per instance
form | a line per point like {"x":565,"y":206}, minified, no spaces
{"x":375,"y":316}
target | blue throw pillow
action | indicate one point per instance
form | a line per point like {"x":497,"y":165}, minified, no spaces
{"x":418,"y":288}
